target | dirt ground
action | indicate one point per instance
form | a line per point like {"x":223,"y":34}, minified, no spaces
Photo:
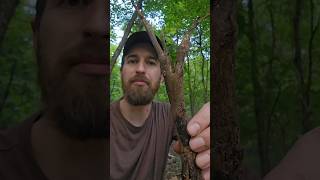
{"x":173,"y":168}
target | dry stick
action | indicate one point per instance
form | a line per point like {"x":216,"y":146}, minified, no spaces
{"x":189,"y":169}
{"x":174,"y":86}
{"x":124,"y":39}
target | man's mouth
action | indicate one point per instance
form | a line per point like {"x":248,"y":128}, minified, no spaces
{"x":140,"y":83}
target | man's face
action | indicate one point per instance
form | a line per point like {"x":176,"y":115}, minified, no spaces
{"x":71,"y":48}
{"x":140,"y":75}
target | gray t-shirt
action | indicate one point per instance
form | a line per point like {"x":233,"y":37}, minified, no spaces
{"x":140,"y":152}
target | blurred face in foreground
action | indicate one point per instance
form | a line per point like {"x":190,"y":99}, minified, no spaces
{"x":71,"y":45}
{"x":140,"y":75}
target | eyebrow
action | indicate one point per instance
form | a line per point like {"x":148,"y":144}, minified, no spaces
{"x":132,"y":55}
{"x":135,"y":56}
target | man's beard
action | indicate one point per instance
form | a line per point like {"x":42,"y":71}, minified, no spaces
{"x":76,"y":103}
{"x":139,"y":96}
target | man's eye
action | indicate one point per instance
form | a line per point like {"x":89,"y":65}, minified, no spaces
{"x":131,"y":61}
{"x":152,"y":62}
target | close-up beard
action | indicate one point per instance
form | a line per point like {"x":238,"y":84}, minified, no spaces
{"x":82,"y":113}
{"x":76,"y":103}
{"x":138,"y":96}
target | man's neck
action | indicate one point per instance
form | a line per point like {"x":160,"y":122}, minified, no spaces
{"x":136,"y":115}
{"x":55,"y":152}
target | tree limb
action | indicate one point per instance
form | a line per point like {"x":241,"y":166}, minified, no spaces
{"x":185,"y":44}
{"x":124,"y":39}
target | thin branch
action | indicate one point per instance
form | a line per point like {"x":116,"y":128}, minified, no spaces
{"x":202,"y":63}
{"x":162,"y":55}
{"x":124,"y":39}
{"x":185,"y":44}
{"x":271,"y":115}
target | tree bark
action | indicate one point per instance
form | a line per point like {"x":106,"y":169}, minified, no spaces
{"x":7,"y":10}
{"x":227,"y":153}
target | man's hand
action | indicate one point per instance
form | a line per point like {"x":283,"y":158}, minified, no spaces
{"x":199,"y":130}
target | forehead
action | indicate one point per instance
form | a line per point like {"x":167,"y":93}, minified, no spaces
{"x":142,"y":48}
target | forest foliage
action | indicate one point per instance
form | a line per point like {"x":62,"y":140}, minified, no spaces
{"x":274,"y":102}
{"x":19,"y":92}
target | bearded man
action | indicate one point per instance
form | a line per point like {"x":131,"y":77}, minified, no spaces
{"x":141,"y":129}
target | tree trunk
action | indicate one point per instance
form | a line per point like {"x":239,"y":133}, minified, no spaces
{"x":227,"y":153}
{"x":7,"y":10}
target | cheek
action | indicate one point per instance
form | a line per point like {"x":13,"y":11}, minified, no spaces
{"x":156,"y":78}
{"x":126,"y":75}
{"x":123,"y":79}
{"x":158,"y":75}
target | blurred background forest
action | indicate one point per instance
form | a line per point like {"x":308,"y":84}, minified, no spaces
{"x":277,"y":77}
{"x":277,"y":68}
{"x":19,"y":93}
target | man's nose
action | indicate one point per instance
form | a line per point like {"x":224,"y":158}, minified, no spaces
{"x":96,"y":21}
{"x":140,"y":67}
